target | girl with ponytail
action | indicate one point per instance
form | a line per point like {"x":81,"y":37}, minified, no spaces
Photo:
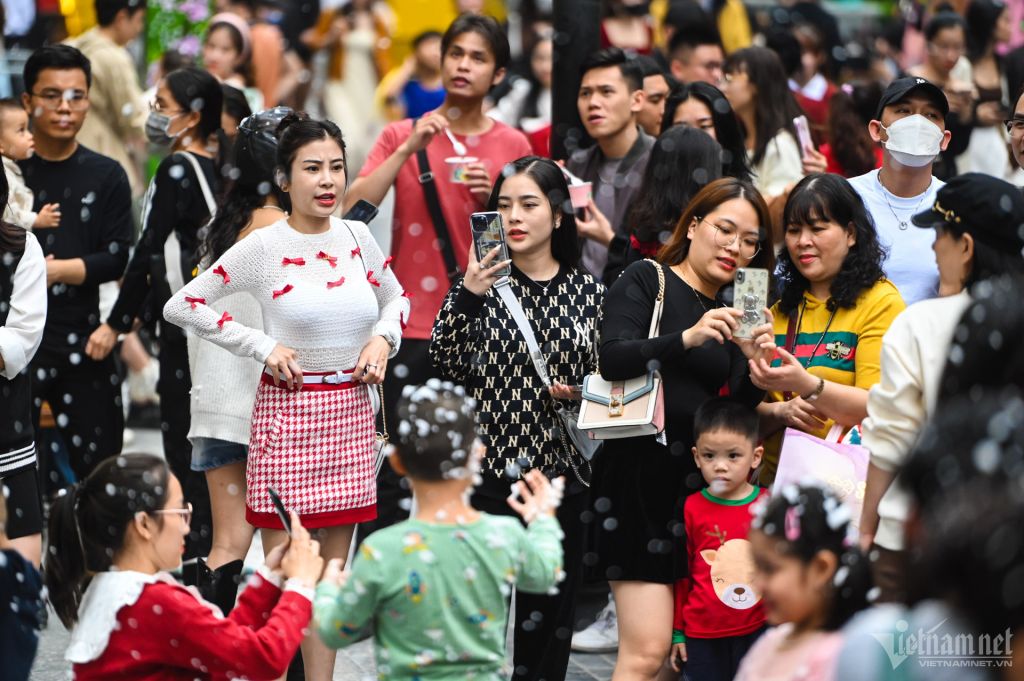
{"x":812,"y":579}
{"x":114,"y":536}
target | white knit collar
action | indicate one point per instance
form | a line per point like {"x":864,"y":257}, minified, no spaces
{"x":107,"y":594}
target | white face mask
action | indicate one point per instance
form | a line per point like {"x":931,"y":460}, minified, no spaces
{"x":914,"y":141}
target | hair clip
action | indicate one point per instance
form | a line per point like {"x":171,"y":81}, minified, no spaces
{"x":792,"y":524}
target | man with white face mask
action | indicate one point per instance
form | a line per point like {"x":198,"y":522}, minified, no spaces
{"x":910,"y":126}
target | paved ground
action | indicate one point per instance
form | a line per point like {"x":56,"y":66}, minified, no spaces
{"x":354,"y":664}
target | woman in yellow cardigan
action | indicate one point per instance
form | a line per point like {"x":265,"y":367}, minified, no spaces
{"x":835,"y":306}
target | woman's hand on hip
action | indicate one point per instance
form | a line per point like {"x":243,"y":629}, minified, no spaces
{"x":373,"y":361}
{"x":480,"y":276}
{"x":284,"y":364}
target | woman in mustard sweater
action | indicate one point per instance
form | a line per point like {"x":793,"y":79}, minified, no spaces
{"x":834,"y":308}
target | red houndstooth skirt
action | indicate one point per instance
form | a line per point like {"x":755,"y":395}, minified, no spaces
{"x":315,"y":448}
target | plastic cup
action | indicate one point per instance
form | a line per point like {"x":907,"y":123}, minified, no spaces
{"x":579,"y":194}
{"x":458,"y":165}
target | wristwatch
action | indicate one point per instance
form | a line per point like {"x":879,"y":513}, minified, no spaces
{"x":816,"y":393}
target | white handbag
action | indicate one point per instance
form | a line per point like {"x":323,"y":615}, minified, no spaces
{"x":634,"y":407}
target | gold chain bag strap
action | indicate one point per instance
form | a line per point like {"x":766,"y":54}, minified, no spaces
{"x":634,"y":407}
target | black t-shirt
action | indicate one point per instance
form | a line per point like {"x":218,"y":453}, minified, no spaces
{"x":176,"y":203}
{"x":95,"y":225}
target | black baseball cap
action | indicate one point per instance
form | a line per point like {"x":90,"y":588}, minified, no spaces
{"x":901,"y":88}
{"x":989,"y":209}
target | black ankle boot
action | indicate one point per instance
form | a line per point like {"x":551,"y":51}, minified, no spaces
{"x":220,"y":586}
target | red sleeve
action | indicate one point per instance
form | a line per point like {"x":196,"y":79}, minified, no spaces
{"x":681,"y":590}
{"x":194,"y":638}
{"x":386,"y":143}
{"x":255,"y":603}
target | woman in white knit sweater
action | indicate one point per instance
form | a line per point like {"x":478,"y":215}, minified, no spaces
{"x":332,"y":315}
{"x":224,"y":384}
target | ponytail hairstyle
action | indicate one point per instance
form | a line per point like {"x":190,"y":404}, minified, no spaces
{"x":250,"y":178}
{"x":88,"y":523}
{"x":297,"y":130}
{"x":805,"y":520}
{"x":196,"y":90}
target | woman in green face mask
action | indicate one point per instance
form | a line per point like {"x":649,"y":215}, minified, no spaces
{"x":180,"y":200}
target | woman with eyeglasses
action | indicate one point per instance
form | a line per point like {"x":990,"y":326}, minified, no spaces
{"x":640,"y":483}
{"x":180,"y":200}
{"x":115,"y":536}
{"x":835,"y":306}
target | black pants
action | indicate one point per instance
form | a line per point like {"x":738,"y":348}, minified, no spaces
{"x":411,"y":366}
{"x":717,"y":659}
{"x":85,"y":397}
{"x":173,"y":386}
{"x":543,"y":626}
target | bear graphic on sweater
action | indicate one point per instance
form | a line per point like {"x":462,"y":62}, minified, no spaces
{"x":732,"y":573}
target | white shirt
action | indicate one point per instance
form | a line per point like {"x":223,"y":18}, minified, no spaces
{"x":914,"y":352}
{"x":22,"y":333}
{"x":326,"y":308}
{"x":910,"y":263}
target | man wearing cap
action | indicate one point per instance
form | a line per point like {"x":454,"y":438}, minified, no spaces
{"x":974,"y":221}
{"x":910,"y":126}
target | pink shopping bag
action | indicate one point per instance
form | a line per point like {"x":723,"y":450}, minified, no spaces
{"x":842,"y":467}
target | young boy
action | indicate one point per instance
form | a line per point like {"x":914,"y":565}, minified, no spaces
{"x":16,"y":144}
{"x":20,"y":606}
{"x":718,"y":615}
{"x":436,"y":587}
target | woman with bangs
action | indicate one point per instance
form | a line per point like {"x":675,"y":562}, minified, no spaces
{"x":835,"y":305}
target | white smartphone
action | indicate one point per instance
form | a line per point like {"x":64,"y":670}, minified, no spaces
{"x":803,"y":133}
{"x":750,"y":296}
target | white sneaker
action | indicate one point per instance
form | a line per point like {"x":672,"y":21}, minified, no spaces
{"x":600,"y":637}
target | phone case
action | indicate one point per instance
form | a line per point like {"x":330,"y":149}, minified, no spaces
{"x":488,"y":232}
{"x":750,"y":297}
{"x":803,"y":131}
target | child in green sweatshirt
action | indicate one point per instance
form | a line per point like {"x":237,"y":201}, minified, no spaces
{"x":435,"y":589}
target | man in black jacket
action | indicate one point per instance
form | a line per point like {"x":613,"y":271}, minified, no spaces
{"x":88,"y":248}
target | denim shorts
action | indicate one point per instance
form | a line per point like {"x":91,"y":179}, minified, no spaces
{"x":209,"y":453}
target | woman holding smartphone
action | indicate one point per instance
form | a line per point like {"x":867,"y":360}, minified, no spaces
{"x":332,"y":314}
{"x":476,"y":343}
{"x":836,"y":305}
{"x":641,"y":483}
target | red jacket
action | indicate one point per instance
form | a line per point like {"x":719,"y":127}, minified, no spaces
{"x":716,"y":600}
{"x":169,"y":633}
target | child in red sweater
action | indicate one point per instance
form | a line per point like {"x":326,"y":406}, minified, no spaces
{"x":116,"y":534}
{"x":718,"y":614}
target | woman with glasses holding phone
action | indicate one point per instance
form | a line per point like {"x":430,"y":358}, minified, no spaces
{"x":180,"y":200}
{"x":835,"y":306}
{"x":641,"y":483}
{"x":115,"y":536}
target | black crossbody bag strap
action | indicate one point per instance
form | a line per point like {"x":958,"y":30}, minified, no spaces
{"x":436,"y":215}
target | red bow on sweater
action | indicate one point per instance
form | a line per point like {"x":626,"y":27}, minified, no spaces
{"x":224,"y":318}
{"x":329,"y":258}
{"x":222,"y":272}
{"x":281,"y":292}
{"x":406,"y":294}
{"x":192,"y":301}
{"x":387,"y":261}
{"x":356,"y":251}
{"x":370,"y":278}
{"x":333,"y":284}
{"x":293,"y":261}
